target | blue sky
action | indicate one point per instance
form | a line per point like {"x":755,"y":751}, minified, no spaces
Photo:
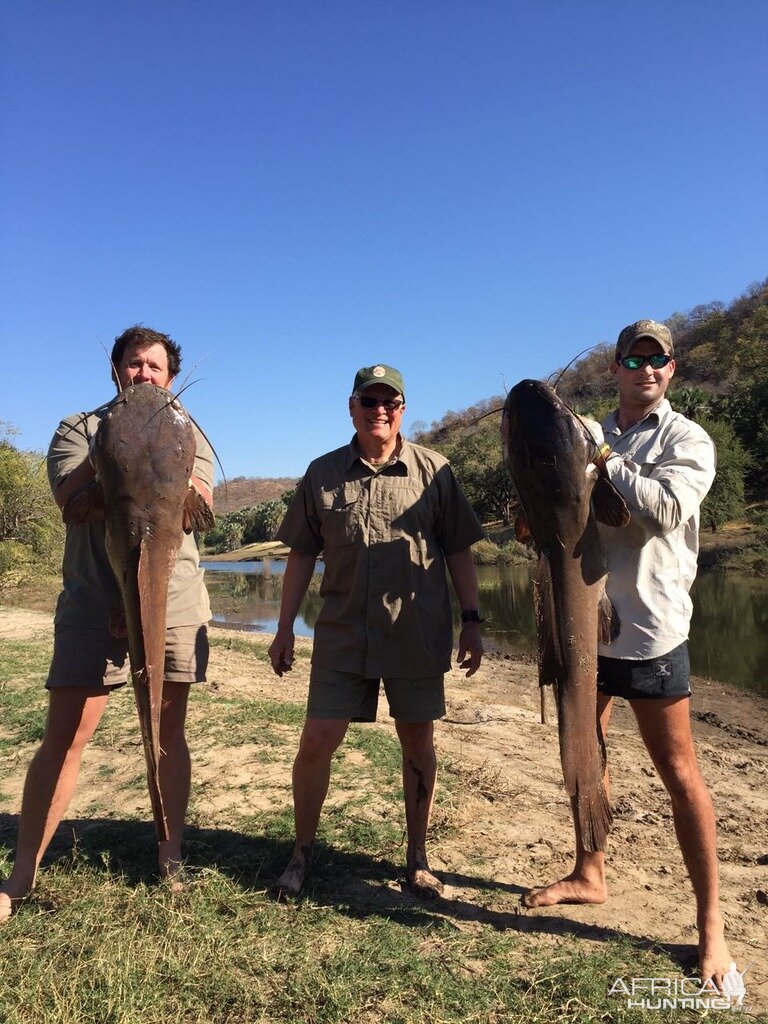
{"x":471,"y":191}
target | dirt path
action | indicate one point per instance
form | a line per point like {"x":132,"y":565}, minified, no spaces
{"x":514,"y":829}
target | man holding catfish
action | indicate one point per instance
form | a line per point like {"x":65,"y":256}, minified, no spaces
{"x":93,"y":621}
{"x":388,"y":516}
{"x":662,"y":465}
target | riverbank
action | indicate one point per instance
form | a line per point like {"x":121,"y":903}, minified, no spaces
{"x":501,"y":825}
{"x":502,"y":549}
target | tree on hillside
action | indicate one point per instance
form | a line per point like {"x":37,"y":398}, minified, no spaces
{"x":477,"y":458}
{"x":689,"y":400}
{"x":30,"y":521}
{"x":263,"y":521}
{"x":725,"y":500}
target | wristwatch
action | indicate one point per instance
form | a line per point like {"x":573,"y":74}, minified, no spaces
{"x":471,"y":615}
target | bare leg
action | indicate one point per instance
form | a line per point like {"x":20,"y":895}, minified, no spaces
{"x":175,"y":773}
{"x":73,"y":714}
{"x":665,"y":726}
{"x":419,"y":775}
{"x":586,"y":883}
{"x":311,"y":776}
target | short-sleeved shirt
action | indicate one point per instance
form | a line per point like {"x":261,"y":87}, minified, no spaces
{"x":90,"y":592}
{"x":384,"y":532}
{"x":666,"y":467}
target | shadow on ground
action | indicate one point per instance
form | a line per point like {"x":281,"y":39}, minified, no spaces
{"x":355,"y":884}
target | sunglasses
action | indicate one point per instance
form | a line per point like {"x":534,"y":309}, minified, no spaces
{"x":390,"y":404}
{"x":657,"y":361}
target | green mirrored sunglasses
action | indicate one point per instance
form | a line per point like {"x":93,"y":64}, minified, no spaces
{"x":657,"y":360}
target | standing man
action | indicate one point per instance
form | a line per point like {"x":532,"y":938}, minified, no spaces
{"x":90,"y":647}
{"x":388,"y":517}
{"x":663,"y":465}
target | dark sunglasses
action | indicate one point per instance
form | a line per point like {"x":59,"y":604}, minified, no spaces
{"x":657,"y":360}
{"x":390,"y":404}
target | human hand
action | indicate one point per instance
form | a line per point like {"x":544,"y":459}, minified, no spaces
{"x":470,"y":647}
{"x":281,"y":650}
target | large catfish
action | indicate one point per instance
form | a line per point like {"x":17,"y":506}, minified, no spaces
{"x":144,"y":455}
{"x":548,"y":451}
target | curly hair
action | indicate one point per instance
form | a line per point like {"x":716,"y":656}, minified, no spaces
{"x":142,"y":337}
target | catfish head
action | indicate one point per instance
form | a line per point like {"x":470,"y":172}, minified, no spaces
{"x":548,"y":449}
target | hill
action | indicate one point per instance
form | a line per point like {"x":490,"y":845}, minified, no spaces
{"x":247,"y":491}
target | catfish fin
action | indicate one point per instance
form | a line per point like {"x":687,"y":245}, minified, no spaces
{"x":85,"y":505}
{"x":609,"y":506}
{"x":595,"y":817}
{"x":550,"y":668}
{"x":197,"y":512}
{"x":608,"y":622}
{"x":522,"y":529}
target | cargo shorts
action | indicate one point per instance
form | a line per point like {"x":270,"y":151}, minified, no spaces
{"x":98,"y":660}
{"x":345,"y":695}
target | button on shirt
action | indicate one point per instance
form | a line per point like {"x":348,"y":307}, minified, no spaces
{"x":384,"y":532}
{"x":665,"y":467}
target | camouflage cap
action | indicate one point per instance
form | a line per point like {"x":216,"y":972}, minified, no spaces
{"x":644,"y":329}
{"x":378,"y":374}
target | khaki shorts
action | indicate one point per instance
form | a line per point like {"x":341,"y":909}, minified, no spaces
{"x":346,"y":695}
{"x":96,"y":659}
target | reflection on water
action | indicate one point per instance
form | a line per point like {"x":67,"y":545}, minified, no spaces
{"x":729,"y":631}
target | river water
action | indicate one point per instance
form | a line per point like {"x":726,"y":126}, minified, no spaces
{"x":729,"y":631}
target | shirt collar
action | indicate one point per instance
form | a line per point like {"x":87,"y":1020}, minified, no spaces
{"x":661,"y":412}
{"x":353,"y":454}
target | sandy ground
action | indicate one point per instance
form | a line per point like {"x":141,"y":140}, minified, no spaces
{"x":514,"y":826}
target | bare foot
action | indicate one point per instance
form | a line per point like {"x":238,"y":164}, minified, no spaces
{"x":9,"y":905}
{"x":292,"y":881}
{"x":424,"y":884}
{"x":176,"y":877}
{"x":714,"y":958}
{"x":6,"y":907}
{"x":571,"y":889}
{"x":420,"y":880}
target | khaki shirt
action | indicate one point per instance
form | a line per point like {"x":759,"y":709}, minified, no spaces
{"x":90,"y":591}
{"x":667,"y":465}
{"x":384,"y":533}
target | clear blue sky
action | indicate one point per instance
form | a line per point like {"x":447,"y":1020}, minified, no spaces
{"x":472,"y":191}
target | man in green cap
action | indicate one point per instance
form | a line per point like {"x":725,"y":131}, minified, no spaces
{"x":388,"y":517}
{"x":663,"y":465}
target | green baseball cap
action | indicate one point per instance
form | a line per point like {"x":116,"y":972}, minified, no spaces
{"x":379,"y":373}
{"x":659,"y":333}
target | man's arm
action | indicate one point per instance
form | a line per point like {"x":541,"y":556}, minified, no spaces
{"x":676,"y":486}
{"x":298,"y":573}
{"x":79,"y":477}
{"x":461,"y":566}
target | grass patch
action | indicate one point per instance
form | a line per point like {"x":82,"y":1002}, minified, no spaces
{"x":23,"y":669}
{"x":100,"y":942}
{"x":751,"y":560}
{"x":488,"y":552}
{"x":93,"y":947}
{"x":257,"y":648}
{"x":20,"y":660}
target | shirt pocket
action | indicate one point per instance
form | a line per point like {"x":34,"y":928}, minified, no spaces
{"x":646,"y":455}
{"x":340,"y":516}
{"x":412,"y":512}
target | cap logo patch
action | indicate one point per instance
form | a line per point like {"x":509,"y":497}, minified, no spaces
{"x":378,"y":371}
